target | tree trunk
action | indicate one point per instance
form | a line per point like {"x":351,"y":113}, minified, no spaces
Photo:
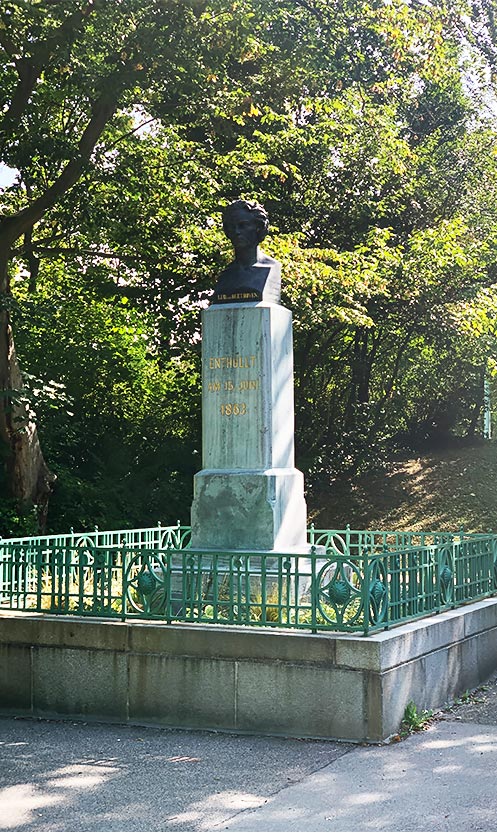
{"x":360,"y":378}
{"x":27,"y":475}
{"x":28,"y":478}
{"x":477,"y":405}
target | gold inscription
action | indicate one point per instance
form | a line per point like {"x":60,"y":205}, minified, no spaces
{"x":228,"y":362}
{"x":233,"y":409}
{"x":240,"y":296}
{"x":248,"y":384}
{"x":214,"y":386}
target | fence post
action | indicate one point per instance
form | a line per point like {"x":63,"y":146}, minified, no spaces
{"x":458,"y":567}
{"x":124,"y":586}
{"x":365,"y":591}
{"x":494,"y":561}
{"x":393,"y":571}
{"x":39,"y":577}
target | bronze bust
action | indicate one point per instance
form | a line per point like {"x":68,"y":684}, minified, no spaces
{"x":253,"y":275}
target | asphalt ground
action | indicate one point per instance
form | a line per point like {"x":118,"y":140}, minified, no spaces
{"x":57,"y":776}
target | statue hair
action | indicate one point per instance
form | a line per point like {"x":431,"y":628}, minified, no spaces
{"x":259,"y":212}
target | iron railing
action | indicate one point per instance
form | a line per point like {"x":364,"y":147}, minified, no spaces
{"x":350,"y":581}
{"x":158,"y":536}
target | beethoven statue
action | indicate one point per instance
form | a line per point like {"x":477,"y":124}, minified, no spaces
{"x":253,"y":275}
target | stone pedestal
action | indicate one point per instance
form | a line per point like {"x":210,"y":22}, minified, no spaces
{"x":249,"y":495}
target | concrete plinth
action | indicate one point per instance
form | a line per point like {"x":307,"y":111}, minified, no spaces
{"x":249,"y":495}
{"x":249,"y":510}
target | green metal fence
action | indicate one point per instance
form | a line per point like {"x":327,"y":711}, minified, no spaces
{"x":158,"y":536}
{"x":351,"y":580}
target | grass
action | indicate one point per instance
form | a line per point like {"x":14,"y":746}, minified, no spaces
{"x":86,"y":598}
{"x":275,"y":610}
{"x":414,"y":721}
{"x":469,"y":697}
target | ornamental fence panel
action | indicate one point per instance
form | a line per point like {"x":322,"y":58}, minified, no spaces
{"x":351,"y":581}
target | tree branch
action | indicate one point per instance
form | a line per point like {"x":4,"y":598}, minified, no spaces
{"x":73,"y":251}
{"x":8,"y":46}
{"x":128,"y":133}
{"x":29,"y":68}
{"x":16,"y":225}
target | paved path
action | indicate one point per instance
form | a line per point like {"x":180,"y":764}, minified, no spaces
{"x":58,"y":776}
{"x":442,"y":779}
{"x":67,"y":776}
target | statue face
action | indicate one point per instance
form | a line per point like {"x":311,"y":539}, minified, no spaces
{"x":242,"y":228}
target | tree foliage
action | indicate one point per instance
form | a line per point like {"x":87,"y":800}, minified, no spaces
{"x":365,"y":128}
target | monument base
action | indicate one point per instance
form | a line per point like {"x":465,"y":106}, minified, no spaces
{"x":241,"y":679}
{"x":249,"y":510}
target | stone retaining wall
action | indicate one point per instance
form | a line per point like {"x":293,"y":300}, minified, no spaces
{"x":239,"y":679}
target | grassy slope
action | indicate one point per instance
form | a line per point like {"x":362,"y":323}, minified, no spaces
{"x":442,"y":490}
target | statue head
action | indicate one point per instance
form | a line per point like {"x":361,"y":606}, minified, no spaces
{"x":253,"y":276}
{"x":245,"y":222}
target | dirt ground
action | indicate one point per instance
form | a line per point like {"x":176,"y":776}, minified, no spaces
{"x":477,"y":706}
{"x":443,"y":490}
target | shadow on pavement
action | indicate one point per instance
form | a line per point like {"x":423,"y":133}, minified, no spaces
{"x":76,"y":776}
